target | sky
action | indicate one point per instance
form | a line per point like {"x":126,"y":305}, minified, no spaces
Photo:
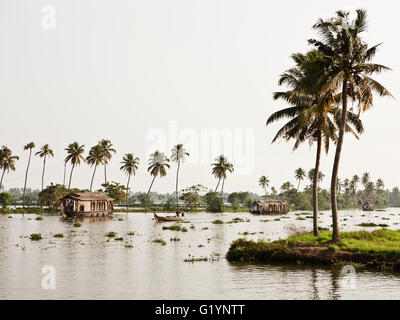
{"x":148,"y":74}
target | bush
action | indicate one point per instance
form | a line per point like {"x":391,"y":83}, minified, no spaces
{"x":35,"y":236}
{"x":213,"y":202}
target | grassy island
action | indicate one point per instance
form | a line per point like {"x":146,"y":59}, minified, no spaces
{"x":379,"y":249}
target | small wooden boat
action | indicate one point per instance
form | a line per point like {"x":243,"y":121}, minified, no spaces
{"x":178,"y":217}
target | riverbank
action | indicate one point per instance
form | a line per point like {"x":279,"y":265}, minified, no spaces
{"x":378,"y":250}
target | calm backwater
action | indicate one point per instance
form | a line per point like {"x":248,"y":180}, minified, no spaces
{"x":90,"y":265}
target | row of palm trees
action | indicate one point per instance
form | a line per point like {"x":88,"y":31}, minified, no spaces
{"x":101,"y":154}
{"x":321,"y":85}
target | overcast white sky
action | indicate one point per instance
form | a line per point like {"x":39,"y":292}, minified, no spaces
{"x":126,"y":69}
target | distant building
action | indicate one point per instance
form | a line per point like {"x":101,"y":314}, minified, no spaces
{"x":368,"y":205}
{"x":86,"y":204}
{"x":270,"y":206}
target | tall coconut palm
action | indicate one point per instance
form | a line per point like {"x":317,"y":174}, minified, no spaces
{"x":349,"y":60}
{"x":29,"y":146}
{"x":7,"y":162}
{"x":130,"y":164}
{"x":365,"y":179}
{"x":107,"y":148}
{"x":158,"y":163}
{"x":220,"y":169}
{"x":74,"y":155}
{"x":44,"y":152}
{"x":94,"y":158}
{"x":178,"y":155}
{"x":264,"y":183}
{"x":314,"y":116}
{"x":299,"y":174}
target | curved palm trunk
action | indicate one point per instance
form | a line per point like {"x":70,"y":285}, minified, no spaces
{"x":216,"y":188}
{"x":335,"y":170}
{"x":70,"y":176}
{"x":91,"y":182}
{"x":1,"y":180}
{"x":65,"y":171}
{"x":315,"y":186}
{"x":26,"y":177}
{"x":127,"y":192}
{"x":148,"y":192}
{"x":298,"y":186}
{"x":44,"y":168}
{"x":222,"y":189}
{"x":177,"y":195}
{"x":105,"y":173}
{"x":265,"y":191}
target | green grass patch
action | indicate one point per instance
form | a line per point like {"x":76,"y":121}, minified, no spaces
{"x":58,"y":235}
{"x":218,"y":221}
{"x":111,"y":234}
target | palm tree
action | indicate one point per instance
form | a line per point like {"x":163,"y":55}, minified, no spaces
{"x":7,"y":162}
{"x":380,"y":185}
{"x":130,"y":164}
{"x":44,"y":152}
{"x":94,"y":158}
{"x":178,"y":155}
{"x":74,"y":155}
{"x":365,"y":179}
{"x":220,"y":169}
{"x":300,"y":174}
{"x":287,"y":186}
{"x":65,"y":172}
{"x":107,"y":149}
{"x":355,"y":180}
{"x":158,"y":163}
{"x":314,"y":116}
{"x":264,"y":183}
{"x":29,"y":146}
{"x":349,"y":67}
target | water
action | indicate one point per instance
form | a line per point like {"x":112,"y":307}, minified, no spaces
{"x":90,"y":267}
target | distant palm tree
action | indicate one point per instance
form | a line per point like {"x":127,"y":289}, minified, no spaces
{"x":74,"y":155}
{"x":355,"y":180}
{"x":287,"y":186}
{"x":65,"y":172}
{"x":300,"y":174}
{"x":130,"y":164}
{"x":264,"y":183}
{"x":178,"y":155}
{"x":94,"y":158}
{"x":310,"y":175}
{"x":365,"y":179}
{"x":220,"y":169}
{"x":380,"y":185}
{"x":107,"y":149}
{"x":158,"y":163}
{"x":29,"y":146}
{"x":7,"y":162}
{"x":44,"y":152}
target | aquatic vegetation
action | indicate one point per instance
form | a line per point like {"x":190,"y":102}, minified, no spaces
{"x":128,"y":245}
{"x":371,"y":224}
{"x":200,"y":246}
{"x":246,"y":233}
{"x":58,"y":235}
{"x":277,"y":219}
{"x":174,"y":239}
{"x":175,"y":227}
{"x":160,"y":241}
{"x":120,"y":219}
{"x":217,"y":221}
{"x":300,"y":218}
{"x":35,"y":236}
{"x":39,"y":218}
{"x":265,"y":220}
{"x":77,"y":225}
{"x":205,"y":228}
{"x":131,"y":233}
{"x":119,"y":239}
{"x":111,"y":234}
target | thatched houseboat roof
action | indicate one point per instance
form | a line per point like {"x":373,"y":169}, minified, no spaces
{"x":88,"y":196}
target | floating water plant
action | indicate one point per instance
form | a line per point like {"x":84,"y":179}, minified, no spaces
{"x":58,"y":235}
{"x":111,"y":234}
{"x":35,"y":236}
{"x":218,"y":221}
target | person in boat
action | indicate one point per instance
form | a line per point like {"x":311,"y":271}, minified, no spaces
{"x":179,"y":213}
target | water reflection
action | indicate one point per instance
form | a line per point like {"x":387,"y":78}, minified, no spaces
{"x":91,"y":265}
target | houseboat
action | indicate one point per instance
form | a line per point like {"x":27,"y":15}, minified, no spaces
{"x":271,"y":206}
{"x":86,"y":204}
{"x":368,"y":205}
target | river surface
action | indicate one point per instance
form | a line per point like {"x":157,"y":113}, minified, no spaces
{"x":86,"y":264}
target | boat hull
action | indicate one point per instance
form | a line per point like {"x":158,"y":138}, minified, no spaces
{"x":161,"y":219}
{"x":86,"y":214}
